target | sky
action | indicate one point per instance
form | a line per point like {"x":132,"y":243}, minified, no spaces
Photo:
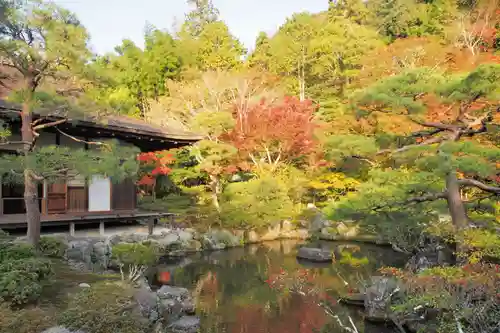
{"x":111,"y":21}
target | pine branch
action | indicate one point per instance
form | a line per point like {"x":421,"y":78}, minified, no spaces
{"x":441,"y":126}
{"x":478,"y":184}
{"x":427,"y":142}
{"x":425,"y":133}
{"x":420,"y":199}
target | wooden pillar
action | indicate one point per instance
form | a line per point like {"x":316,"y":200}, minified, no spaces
{"x":72,"y":229}
{"x":151,"y":226}
{"x":101,"y":228}
{"x":1,"y":197}
{"x":44,"y":197}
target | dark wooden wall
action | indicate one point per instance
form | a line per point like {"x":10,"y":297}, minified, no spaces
{"x":123,"y":195}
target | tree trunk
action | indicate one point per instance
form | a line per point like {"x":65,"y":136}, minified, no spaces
{"x":32,"y":209}
{"x":302,"y":77}
{"x":215,"y":188}
{"x":455,"y":203}
{"x":458,"y":214}
{"x":30,"y":184}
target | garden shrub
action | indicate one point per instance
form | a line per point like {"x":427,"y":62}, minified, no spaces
{"x":258,"y":203}
{"x":30,"y":320}
{"x":103,"y":308}
{"x":52,"y":247}
{"x":467,"y":294}
{"x":21,"y":280}
{"x":4,"y":236}
{"x":134,"y":258}
{"x":15,"y":251}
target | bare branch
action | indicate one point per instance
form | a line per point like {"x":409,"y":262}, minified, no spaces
{"x":97,"y":143}
{"x":478,"y":184}
{"x":54,"y":123}
{"x":361,"y":158}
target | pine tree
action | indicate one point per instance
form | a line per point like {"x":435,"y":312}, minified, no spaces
{"x":439,"y":153}
{"x":40,"y":42}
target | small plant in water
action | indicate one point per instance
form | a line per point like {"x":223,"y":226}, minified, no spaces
{"x":302,"y":282}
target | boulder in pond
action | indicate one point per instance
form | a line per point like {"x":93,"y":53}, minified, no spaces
{"x":315,"y":254}
{"x":186,"y":324}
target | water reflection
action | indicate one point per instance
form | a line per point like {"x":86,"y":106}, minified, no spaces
{"x":234,"y":295}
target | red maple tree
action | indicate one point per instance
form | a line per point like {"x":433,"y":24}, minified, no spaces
{"x":152,"y":165}
{"x":275,"y":132}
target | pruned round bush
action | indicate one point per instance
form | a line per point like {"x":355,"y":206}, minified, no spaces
{"x":258,"y":203}
{"x":52,"y":247}
{"x":30,"y":320}
{"x":103,"y":308}
{"x":21,"y":280}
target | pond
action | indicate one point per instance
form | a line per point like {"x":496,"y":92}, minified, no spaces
{"x":235,"y":294}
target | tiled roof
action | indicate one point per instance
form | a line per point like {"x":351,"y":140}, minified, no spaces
{"x":122,"y":124}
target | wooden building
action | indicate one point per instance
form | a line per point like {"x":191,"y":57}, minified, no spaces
{"x":84,"y":200}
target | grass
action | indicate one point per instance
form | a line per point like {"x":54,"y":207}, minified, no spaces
{"x":65,"y":282}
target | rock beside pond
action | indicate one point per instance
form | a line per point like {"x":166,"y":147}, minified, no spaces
{"x":186,"y":324}
{"x":285,"y":230}
{"x":176,"y":293}
{"x":357,"y":299}
{"x":147,"y":302}
{"x":379,"y":296}
{"x":95,"y":253}
{"x":432,"y":254}
{"x":315,"y":254}
{"x":220,"y":239}
{"x":166,"y":305}
{"x":60,"y":329}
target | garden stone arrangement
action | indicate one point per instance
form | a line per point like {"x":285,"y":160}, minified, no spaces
{"x":95,"y":253}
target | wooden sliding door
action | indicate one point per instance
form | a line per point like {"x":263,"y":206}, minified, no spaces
{"x":56,"y":198}
{"x":77,"y":195}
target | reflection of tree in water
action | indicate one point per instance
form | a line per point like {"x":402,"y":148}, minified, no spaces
{"x":233,"y":296}
{"x":297,"y":315}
